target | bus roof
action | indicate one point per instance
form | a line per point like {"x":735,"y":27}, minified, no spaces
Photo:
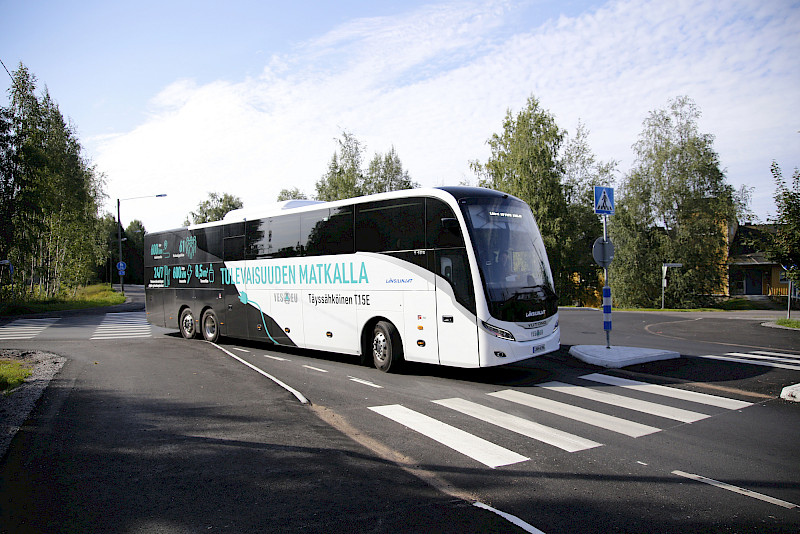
{"x":271,"y":210}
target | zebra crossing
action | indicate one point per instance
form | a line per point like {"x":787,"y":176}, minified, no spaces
{"x":604,"y":390}
{"x":123,"y":326}
{"x":25,"y":328}
{"x":781,"y":360}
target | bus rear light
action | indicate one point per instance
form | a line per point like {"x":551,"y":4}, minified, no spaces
{"x":498,"y":332}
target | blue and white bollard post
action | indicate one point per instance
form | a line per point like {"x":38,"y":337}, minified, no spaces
{"x":607,"y":313}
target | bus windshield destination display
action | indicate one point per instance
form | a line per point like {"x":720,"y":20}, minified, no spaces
{"x":454,"y":276}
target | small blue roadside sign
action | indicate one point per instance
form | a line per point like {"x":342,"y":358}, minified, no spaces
{"x":121,"y":266}
{"x":603,"y":200}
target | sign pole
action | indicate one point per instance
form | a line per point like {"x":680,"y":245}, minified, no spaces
{"x":606,"y":291}
{"x":603,"y":251}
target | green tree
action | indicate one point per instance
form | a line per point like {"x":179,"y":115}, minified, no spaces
{"x":582,"y":171}
{"x":674,"y":206}
{"x":345,"y":177}
{"x":784,"y":246}
{"x":525,"y":162}
{"x":213,"y":209}
{"x":386,"y":173}
{"x":291,"y":194}
{"x":50,"y":194}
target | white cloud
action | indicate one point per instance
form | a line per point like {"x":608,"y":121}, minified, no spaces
{"x":436,"y":83}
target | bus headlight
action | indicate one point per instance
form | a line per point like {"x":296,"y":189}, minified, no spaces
{"x":498,"y":332}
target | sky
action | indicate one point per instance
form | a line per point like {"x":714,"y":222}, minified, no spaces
{"x":185,"y":98}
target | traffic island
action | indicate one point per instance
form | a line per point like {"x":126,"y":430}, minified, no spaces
{"x":616,"y":357}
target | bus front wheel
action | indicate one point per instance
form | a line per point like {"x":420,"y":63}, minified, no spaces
{"x":210,"y":326}
{"x":387,"y":350}
{"x":187,"y":324}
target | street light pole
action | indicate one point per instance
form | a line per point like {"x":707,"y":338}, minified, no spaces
{"x":119,"y":242}
{"x":119,"y":236}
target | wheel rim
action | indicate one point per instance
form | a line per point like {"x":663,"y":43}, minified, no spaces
{"x":379,"y":346}
{"x":188,"y":323}
{"x":210,"y":327}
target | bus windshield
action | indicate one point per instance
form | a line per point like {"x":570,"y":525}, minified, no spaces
{"x":512,"y":257}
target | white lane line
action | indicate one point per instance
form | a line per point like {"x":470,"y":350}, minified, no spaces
{"x":751,"y":362}
{"x":365,"y":382}
{"x":276,"y":358}
{"x":527,"y":527}
{"x":779,"y":354}
{"x":736,"y":489}
{"x":240,"y":350}
{"x":759,"y":357}
{"x":545,"y":434}
{"x":467,"y":444}
{"x":315,"y":369}
{"x":666,"y":391}
{"x":660,"y":410}
{"x":609,"y":422}
{"x":285,"y":386}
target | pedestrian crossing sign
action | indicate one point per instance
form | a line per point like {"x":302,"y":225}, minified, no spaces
{"x":603,"y":200}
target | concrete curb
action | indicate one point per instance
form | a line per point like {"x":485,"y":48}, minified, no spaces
{"x":616,"y":357}
{"x":776,"y":325}
{"x":791,"y":393}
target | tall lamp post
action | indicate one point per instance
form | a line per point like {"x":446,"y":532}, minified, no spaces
{"x":121,"y":265}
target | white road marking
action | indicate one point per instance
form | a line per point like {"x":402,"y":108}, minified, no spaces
{"x":467,"y":444}
{"x":315,"y":369}
{"x":365,"y":382}
{"x":276,"y":358}
{"x":240,"y":350}
{"x":609,"y":422}
{"x":285,"y":386}
{"x":527,"y":527}
{"x":757,"y":356}
{"x":26,"y":328}
{"x":779,"y":354}
{"x":652,"y":408}
{"x":557,"y":438}
{"x":736,"y":489}
{"x":123,"y":326}
{"x":675,"y":393}
{"x":751,"y":362}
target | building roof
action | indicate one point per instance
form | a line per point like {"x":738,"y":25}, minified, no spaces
{"x":745,"y":245}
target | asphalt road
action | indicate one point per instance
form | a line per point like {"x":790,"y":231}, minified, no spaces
{"x":153,"y":433}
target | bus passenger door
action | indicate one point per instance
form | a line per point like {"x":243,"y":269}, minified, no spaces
{"x":457,"y":329}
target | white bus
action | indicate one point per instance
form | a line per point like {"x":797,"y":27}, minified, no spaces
{"x":454,"y":276}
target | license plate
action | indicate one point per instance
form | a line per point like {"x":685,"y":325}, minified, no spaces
{"x":538,"y":348}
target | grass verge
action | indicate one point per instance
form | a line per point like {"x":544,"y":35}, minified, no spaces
{"x":12,"y":374}
{"x":93,"y":296}
{"x":791,"y":323}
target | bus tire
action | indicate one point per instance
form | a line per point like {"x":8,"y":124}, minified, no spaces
{"x":187,"y":324}
{"x":387,"y":349}
{"x":210,"y":326}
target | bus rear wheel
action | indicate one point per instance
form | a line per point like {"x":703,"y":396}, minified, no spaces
{"x":187,"y":324}
{"x":387,"y":350}
{"x":210,"y":326}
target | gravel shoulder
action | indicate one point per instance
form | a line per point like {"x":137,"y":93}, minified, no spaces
{"x":18,"y":404}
